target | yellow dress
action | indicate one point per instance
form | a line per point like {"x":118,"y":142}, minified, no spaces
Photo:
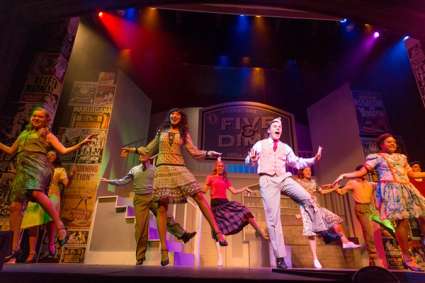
{"x":34,"y":214}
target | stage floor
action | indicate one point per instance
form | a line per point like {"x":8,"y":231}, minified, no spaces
{"x":64,"y":273}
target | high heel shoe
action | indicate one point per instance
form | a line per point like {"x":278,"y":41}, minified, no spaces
{"x":221,"y":241}
{"x":12,"y":258}
{"x":31,"y":258}
{"x":64,"y":239}
{"x":410,"y":263}
{"x":164,"y":258}
{"x":52,"y":250}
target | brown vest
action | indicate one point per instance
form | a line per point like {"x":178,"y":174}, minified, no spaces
{"x":272,"y":162}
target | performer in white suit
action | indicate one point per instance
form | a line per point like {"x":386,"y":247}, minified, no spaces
{"x":272,"y":156}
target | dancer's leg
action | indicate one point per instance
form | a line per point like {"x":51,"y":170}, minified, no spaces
{"x":47,"y":205}
{"x":257,"y":228}
{"x":207,"y":212}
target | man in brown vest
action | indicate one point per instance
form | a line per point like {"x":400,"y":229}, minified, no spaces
{"x":272,"y":156}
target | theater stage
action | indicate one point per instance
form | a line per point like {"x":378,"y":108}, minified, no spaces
{"x":64,"y":273}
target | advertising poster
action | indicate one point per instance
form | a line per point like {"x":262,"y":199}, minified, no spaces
{"x":90,"y":153}
{"x":104,"y":95}
{"x":82,"y":93}
{"x":371,"y":114}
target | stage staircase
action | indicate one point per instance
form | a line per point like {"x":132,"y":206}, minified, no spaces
{"x":111,"y":239}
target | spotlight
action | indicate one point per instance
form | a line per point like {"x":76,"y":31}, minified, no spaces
{"x":376,"y":34}
{"x":100,"y":14}
{"x":406,"y":38}
{"x":343,"y":21}
{"x":242,"y":15}
{"x":257,"y":16}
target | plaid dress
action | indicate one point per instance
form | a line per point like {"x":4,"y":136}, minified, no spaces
{"x":231,"y":216}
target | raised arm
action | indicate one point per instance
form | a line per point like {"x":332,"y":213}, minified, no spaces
{"x":253,"y":154}
{"x":9,"y":149}
{"x":300,"y":162}
{"x":59,"y":147}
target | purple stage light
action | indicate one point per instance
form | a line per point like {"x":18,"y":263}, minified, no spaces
{"x":376,"y":34}
{"x":406,"y":38}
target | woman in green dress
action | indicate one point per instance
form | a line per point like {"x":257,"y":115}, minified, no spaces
{"x":33,"y":173}
{"x":35,"y":215}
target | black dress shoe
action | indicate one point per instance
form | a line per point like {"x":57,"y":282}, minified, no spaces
{"x":187,"y":236}
{"x":280,"y":263}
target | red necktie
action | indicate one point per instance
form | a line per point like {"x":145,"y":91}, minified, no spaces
{"x":275,"y":144}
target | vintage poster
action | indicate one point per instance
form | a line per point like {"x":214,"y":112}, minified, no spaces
{"x":104,"y":95}
{"x":78,"y":206}
{"x":89,"y":153}
{"x":371,"y":114}
{"x":93,"y":120}
{"x":47,"y":84}
{"x":85,"y":175}
{"x":233,"y":128}
{"x":77,"y":237}
{"x":72,"y":254}
{"x":106,"y":78}
{"x":82,"y":93}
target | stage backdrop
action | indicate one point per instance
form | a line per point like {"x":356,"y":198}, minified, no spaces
{"x":233,"y":128}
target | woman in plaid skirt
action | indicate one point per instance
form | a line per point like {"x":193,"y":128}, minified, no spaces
{"x":231,"y":216}
{"x":173,"y":182}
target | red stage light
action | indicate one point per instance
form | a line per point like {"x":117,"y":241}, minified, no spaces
{"x":100,"y":14}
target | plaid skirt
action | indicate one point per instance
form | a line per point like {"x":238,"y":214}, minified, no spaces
{"x":231,"y":216}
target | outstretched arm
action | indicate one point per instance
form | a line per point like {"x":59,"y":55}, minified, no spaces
{"x":59,"y":147}
{"x":241,"y":190}
{"x":414,"y":175}
{"x":119,"y":182}
{"x":9,"y":149}
{"x":196,"y":152}
{"x":354,"y":174}
{"x":300,"y":162}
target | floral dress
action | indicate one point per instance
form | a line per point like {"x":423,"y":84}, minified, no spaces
{"x":328,"y":217}
{"x":396,"y":196}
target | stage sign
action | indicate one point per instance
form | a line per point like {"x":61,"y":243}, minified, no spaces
{"x":233,"y":128}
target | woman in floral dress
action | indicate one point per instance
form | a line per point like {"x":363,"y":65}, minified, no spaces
{"x":330,"y":219}
{"x":397,"y":198}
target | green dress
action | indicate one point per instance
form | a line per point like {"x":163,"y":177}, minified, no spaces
{"x":33,"y":170}
{"x":34,"y":214}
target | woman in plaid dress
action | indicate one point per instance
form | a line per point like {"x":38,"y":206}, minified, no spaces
{"x":231,"y":216}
